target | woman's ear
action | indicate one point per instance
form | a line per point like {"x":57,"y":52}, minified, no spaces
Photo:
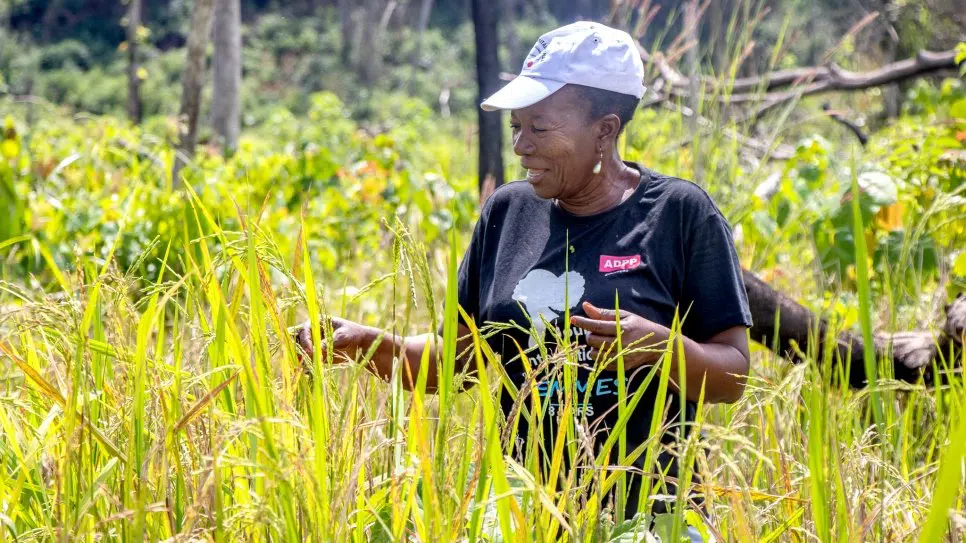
{"x":608,"y":128}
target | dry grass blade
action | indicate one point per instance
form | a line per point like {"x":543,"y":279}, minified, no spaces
{"x":48,"y":389}
{"x":197,"y":407}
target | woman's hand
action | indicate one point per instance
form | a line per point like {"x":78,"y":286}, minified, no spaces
{"x":714,"y":370}
{"x":647,"y":339}
{"x":347,"y":337}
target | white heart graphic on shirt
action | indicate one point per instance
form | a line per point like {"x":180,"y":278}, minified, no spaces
{"x":543,"y":294}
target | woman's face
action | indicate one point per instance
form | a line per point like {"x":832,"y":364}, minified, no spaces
{"x":556,"y":142}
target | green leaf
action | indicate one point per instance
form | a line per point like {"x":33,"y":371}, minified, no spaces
{"x":959,"y":265}
{"x":898,"y":251}
{"x":11,"y":208}
{"x":9,"y":148}
{"x":961,"y":55}
{"x":958,"y":109}
{"x":634,"y":530}
{"x":947,"y":484}
{"x":695,"y":521}
{"x":865,"y":304}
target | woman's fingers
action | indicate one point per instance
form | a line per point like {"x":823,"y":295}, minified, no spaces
{"x":603,"y":327}
{"x":303,"y":337}
{"x":599,"y":343}
{"x":342,"y":337}
{"x":598,"y":313}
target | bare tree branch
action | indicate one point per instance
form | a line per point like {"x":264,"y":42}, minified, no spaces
{"x":846,"y":122}
{"x":802,"y":81}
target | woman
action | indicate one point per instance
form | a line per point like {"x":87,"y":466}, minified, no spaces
{"x":587,"y":231}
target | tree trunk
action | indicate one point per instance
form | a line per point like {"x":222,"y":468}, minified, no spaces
{"x":565,"y":11}
{"x":512,"y":38}
{"x":782,"y":86}
{"x":375,"y":18}
{"x":791,"y":330}
{"x":345,"y":26}
{"x":133,"y":79}
{"x":54,"y":9}
{"x":485,"y":16}
{"x":192,"y":82}
{"x":422,"y":22}
{"x":425,"y":10}
{"x":585,"y":10}
{"x":226,"y":65}
{"x":891,"y":94}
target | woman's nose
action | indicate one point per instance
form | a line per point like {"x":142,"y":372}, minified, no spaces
{"x":522,"y":146}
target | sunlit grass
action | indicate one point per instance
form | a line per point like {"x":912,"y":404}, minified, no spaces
{"x":188,"y":412}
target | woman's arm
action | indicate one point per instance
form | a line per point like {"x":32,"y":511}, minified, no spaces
{"x":350,"y":339}
{"x":721,"y":363}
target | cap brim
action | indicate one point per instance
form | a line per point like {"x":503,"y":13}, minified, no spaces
{"x":523,"y":91}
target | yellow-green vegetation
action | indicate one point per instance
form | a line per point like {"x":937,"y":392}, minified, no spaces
{"x":149,"y":389}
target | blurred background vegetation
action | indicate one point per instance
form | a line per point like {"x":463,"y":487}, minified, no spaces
{"x":71,"y":52}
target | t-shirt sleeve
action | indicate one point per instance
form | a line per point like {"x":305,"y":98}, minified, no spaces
{"x":714,"y":296}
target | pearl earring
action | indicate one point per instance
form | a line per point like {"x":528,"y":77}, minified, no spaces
{"x":598,"y":165}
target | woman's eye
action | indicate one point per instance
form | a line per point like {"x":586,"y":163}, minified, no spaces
{"x":514,"y":126}
{"x":535,"y":129}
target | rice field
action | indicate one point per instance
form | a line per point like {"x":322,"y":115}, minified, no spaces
{"x":150,"y":388}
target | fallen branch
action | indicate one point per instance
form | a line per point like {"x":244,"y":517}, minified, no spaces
{"x":818,"y":78}
{"x":766,"y":89}
{"x":800,"y":331}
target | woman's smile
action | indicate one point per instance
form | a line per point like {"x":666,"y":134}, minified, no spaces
{"x":534,"y":175}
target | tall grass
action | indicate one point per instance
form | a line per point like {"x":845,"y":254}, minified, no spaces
{"x":188,"y":414}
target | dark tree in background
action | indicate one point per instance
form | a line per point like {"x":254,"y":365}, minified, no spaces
{"x":345,"y":26}
{"x":192,"y":82}
{"x":368,"y":56}
{"x":422,"y":22}
{"x":133,"y":77}
{"x":568,"y":11}
{"x":485,"y":15}
{"x":510,"y":35}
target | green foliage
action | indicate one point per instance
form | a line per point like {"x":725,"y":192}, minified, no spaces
{"x":911,"y":197}
{"x":67,"y":53}
{"x":345,"y":181}
{"x":285,"y":60}
{"x":925,"y":150}
{"x":11,"y":204}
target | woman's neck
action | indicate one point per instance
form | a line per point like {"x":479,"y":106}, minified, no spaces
{"x":605,"y":190}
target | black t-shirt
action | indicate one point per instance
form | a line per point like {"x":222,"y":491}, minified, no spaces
{"x":665,"y":248}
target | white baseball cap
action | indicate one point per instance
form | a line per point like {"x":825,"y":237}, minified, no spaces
{"x":583,"y":53}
